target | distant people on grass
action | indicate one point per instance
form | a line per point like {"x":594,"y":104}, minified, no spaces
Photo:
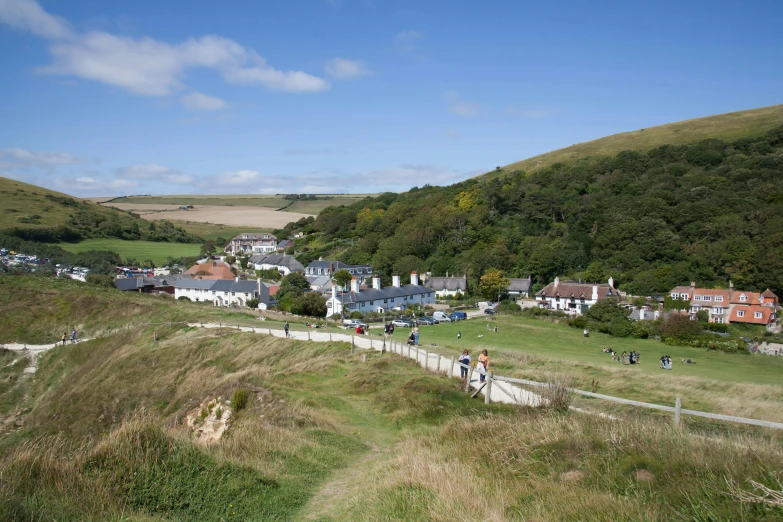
{"x":411,"y":338}
{"x":464,"y":359}
{"x":666,"y":362}
{"x":459,"y":335}
{"x":65,"y":337}
{"x":286,"y":327}
{"x":586,"y":333}
{"x":624,"y":357}
{"x":687,"y":361}
{"x":73,"y":335}
{"x":483,"y":365}
{"x":416,"y":336}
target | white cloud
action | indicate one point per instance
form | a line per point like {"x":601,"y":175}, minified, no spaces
{"x":459,"y":106}
{"x":196,"y":100}
{"x":28,"y":15}
{"x":151,"y":171}
{"x":406,"y":41}
{"x":89,"y":184}
{"x":147,"y":66}
{"x":346,"y":69}
{"x":21,"y":158}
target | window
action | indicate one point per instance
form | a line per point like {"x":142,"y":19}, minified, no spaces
{"x":718,"y":298}
{"x":717,"y":310}
{"x":743,"y":298}
{"x":706,"y":298}
{"x":684,"y":296}
{"x":675,"y":295}
{"x":757,"y":315}
{"x":697,"y":298}
{"x":740,"y":313}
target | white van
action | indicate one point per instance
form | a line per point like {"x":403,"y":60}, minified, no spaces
{"x":442,"y":317}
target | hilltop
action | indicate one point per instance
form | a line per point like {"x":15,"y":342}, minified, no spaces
{"x":729,"y":127}
{"x":38,"y":214}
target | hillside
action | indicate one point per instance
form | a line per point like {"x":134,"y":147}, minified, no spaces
{"x":728,"y":127}
{"x":120,"y":428}
{"x":708,"y":211}
{"x":38,"y":214}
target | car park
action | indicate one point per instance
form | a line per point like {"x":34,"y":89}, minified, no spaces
{"x":442,"y":317}
{"x":403,"y":323}
{"x":461,"y":316}
{"x":426,"y":320}
{"x":490,"y":311}
{"x":352,"y":324}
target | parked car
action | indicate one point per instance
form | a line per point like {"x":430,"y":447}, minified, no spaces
{"x":490,"y":311}
{"x":442,"y":317}
{"x":403,"y":323}
{"x":426,"y":320}
{"x":461,"y":316}
{"x":352,"y":324}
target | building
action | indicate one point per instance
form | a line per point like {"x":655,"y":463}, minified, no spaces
{"x":146,"y":285}
{"x":730,"y":306}
{"x":252,"y":244}
{"x":519,"y":287}
{"x":284,"y":244}
{"x":283,"y":263}
{"x":321,"y":284}
{"x":321,"y":267}
{"x":221,"y":292}
{"x":377,"y":299}
{"x":210,"y":270}
{"x":447,"y":286}
{"x":572,"y":297}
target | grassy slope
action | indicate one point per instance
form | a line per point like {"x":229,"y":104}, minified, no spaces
{"x":214,"y":231}
{"x":326,"y":437}
{"x":158,"y":252}
{"x":22,"y":200}
{"x":729,"y":126}
{"x":254,"y":200}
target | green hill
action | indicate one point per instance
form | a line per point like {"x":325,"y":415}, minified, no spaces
{"x":118,"y":428}
{"x":708,"y":211}
{"x":728,"y":127}
{"x":38,"y":214}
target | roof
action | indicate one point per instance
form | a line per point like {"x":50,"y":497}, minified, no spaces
{"x":215,"y":269}
{"x":335,"y":265}
{"x":384,"y":293}
{"x":254,"y":236}
{"x":283,"y":260}
{"x":285,"y":243}
{"x":273,"y":290}
{"x":519,"y":284}
{"x":577,"y":290}
{"x":767,"y":314}
{"x":448,"y":283}
{"x":769,"y":294}
{"x":219,"y":285}
{"x":134,"y":283}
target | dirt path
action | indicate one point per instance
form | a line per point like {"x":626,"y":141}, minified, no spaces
{"x":33,"y":351}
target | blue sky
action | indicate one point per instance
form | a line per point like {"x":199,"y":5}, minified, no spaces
{"x":143,"y":97}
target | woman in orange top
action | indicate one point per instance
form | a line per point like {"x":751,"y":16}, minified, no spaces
{"x":483,"y":360}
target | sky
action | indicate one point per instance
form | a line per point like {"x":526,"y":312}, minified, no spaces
{"x":354,"y":96}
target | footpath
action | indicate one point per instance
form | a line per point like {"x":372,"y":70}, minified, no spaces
{"x":33,"y":351}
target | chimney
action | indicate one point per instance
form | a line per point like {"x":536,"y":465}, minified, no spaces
{"x":731,"y":291}
{"x":611,"y":282}
{"x":396,"y":281}
{"x":334,"y":294}
{"x":376,"y":282}
{"x":414,"y":278}
{"x":693,"y":288}
{"x":557,"y":281}
{"x":236,"y":279}
{"x":258,"y":286}
{"x":355,"y":284}
{"x":595,"y":292}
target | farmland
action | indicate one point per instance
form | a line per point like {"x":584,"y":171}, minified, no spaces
{"x":242,"y":200}
{"x":157,"y":252}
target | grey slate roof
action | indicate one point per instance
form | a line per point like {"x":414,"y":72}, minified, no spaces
{"x":284,"y":260}
{"x":134,"y":283}
{"x":521,"y":285}
{"x":449,"y":283}
{"x":337,"y":265}
{"x":284,"y":243}
{"x":219,"y":285}
{"x":384,"y":293}
{"x":255,"y":236}
{"x":195,"y":284}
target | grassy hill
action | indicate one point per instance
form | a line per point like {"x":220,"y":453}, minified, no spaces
{"x":321,"y":435}
{"x":729,"y":127}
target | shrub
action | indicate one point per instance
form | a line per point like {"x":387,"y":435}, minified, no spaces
{"x":239,"y":399}
{"x":557,"y":395}
{"x":105,"y":281}
{"x":718,"y":327}
{"x":621,"y":327}
{"x":458,"y":296}
{"x":579,"y":322}
{"x":509,"y":307}
{"x":679,"y":326}
{"x":252,"y":303}
{"x":356,"y":315}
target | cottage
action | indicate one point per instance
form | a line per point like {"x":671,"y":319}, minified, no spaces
{"x":573,"y":297}
{"x":143,"y":284}
{"x":210,"y":270}
{"x":519,"y":287}
{"x":381,"y":300}
{"x":284,"y":245}
{"x":252,"y":244}
{"x":321,"y":267}
{"x":283,"y":263}
{"x":222,"y":292}
{"x":730,"y":306}
{"x":447,"y":286}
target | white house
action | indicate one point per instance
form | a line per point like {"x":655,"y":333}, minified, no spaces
{"x":252,"y":244}
{"x":573,"y":297}
{"x":377,"y":299}
{"x":222,"y":292}
{"x":283,"y":263}
{"x":447,"y":286}
{"x":321,"y":267}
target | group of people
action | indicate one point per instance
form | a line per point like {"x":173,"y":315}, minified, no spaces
{"x":65,"y":337}
{"x":482,"y":366}
{"x":388,"y":329}
{"x":413,"y":338}
{"x":666,"y":362}
{"x":625,"y":358}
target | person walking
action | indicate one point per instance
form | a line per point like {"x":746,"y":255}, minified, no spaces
{"x":286,"y":327}
{"x":464,"y":359}
{"x":459,"y":335}
{"x":73,"y":335}
{"x":586,"y":333}
{"x":416,"y":336}
{"x":65,"y":337}
{"x":483,"y":363}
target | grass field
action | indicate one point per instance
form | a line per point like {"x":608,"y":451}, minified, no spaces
{"x":730,"y":126}
{"x":139,"y":250}
{"x":324,"y":436}
{"x":214,"y":231}
{"x":246,"y":200}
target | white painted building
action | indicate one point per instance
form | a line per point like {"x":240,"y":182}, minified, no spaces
{"x":283,"y":263}
{"x":221,"y":292}
{"x":377,"y":299}
{"x":572,"y":297}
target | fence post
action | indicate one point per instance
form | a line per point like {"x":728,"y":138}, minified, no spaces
{"x":488,"y":390}
{"x":270,"y":331}
{"x":426,"y":358}
{"x":154,"y":336}
{"x":437,"y":366}
{"x":352,"y":342}
{"x":364,"y":357}
{"x":308,"y":336}
{"x":470,"y":375}
{"x":371,"y":344}
{"x":409,"y":352}
{"x":451,"y":371}
{"x":677,"y":411}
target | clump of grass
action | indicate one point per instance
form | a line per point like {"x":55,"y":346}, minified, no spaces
{"x":239,"y":399}
{"x":557,"y":395}
{"x":219,"y":413}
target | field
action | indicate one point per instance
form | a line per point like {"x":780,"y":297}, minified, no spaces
{"x":730,"y":126}
{"x":322,"y":435}
{"x":245,"y":200}
{"x":214,"y":231}
{"x":253,"y":217}
{"x":158,"y":252}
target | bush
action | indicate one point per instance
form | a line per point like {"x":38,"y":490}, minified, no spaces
{"x":718,"y":327}
{"x":356,"y":315}
{"x":621,"y":327}
{"x":458,"y":296}
{"x":105,"y":281}
{"x":509,"y":307}
{"x":579,"y":322}
{"x":239,"y":399}
{"x":679,"y":326}
{"x":252,"y":303}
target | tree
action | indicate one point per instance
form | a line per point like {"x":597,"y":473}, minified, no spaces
{"x":310,"y":303}
{"x":492,"y":283}
{"x":343,"y":278}
{"x":292,"y":286}
{"x":208,"y":248}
